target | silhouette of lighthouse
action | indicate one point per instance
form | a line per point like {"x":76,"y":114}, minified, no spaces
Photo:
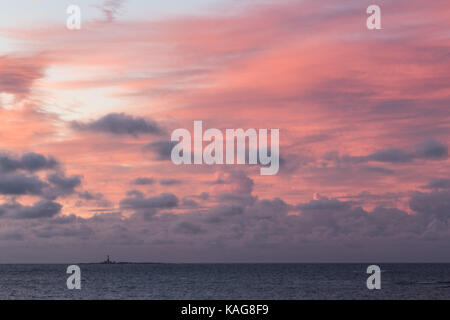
{"x":107,"y":261}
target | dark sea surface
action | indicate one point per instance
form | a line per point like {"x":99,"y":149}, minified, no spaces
{"x":225,"y":281}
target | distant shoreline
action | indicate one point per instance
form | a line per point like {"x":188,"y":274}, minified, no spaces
{"x":222,"y":263}
{"x":125,"y":262}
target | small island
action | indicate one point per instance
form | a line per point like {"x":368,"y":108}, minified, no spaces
{"x":109,"y":261}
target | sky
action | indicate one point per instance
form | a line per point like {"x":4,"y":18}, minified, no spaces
{"x":86,"y":117}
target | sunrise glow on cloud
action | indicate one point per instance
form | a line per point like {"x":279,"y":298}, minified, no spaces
{"x":364,"y":119}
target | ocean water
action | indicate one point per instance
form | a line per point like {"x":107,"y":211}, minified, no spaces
{"x":225,"y":281}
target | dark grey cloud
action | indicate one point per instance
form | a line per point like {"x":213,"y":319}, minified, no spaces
{"x":428,"y":149}
{"x":93,"y":198}
{"x":323,"y":204}
{"x":438,"y":183}
{"x":391,"y":155}
{"x":135,"y":193}
{"x":62,"y":185}
{"x":41,"y":209}
{"x":148,"y":207}
{"x":169,"y":182}
{"x":220,"y":213}
{"x":235,"y":198}
{"x":435,"y":204}
{"x":234,"y":188}
{"x":387,"y":199}
{"x":189,"y":203}
{"x":33,"y":162}
{"x":432,"y":149}
{"x":192,"y":200}
{"x":203,"y":196}
{"x":77,"y":231}
{"x":162,"y":149}
{"x":237,"y":178}
{"x":87,"y":195}
{"x":291,"y":162}
{"x":143,"y":181}
{"x":120,"y":124}
{"x":66,"y":219}
{"x":29,"y":162}
{"x":138,"y":201}
{"x":188,"y":228}
{"x":14,"y":181}
{"x":21,"y":184}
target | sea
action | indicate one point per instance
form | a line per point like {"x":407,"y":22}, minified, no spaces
{"x":225,"y":281}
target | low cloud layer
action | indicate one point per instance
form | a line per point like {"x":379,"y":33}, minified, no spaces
{"x":245,"y":230}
